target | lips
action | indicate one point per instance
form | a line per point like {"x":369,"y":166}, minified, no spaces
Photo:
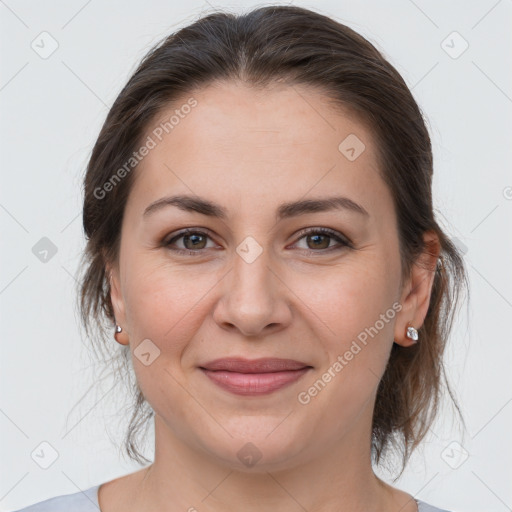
{"x":254,"y":377}
{"x":263,"y":365}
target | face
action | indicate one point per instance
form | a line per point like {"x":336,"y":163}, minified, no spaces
{"x":267,"y":279}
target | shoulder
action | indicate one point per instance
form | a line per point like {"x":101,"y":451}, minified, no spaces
{"x":84,"y":501}
{"x":426,"y":507}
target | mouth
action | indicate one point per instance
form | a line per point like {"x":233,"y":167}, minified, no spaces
{"x":254,"y":377}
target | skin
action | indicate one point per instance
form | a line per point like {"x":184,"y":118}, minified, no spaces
{"x":250,"y":151}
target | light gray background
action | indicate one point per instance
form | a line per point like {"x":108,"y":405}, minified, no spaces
{"x":51,"y":112}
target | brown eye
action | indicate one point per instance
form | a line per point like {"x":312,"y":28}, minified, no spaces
{"x":193,"y":242}
{"x":319,"y":239}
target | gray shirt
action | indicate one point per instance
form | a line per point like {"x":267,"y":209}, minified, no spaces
{"x":87,"y":501}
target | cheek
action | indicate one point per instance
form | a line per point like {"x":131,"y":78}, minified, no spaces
{"x":351,"y":302}
{"x":356,"y":306}
{"x":163,"y":305}
{"x":357,"y":309}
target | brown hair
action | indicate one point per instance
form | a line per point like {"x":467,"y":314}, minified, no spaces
{"x":308,"y":48}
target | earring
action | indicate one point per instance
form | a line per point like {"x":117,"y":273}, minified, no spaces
{"x":412,"y":333}
{"x":117,"y":330}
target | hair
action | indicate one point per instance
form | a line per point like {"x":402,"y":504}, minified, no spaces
{"x":307,"y":48}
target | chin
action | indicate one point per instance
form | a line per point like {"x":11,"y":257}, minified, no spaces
{"x":260,"y":448}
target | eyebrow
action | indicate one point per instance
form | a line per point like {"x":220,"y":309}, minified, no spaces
{"x":286,"y":210}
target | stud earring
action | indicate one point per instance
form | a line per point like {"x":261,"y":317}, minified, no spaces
{"x":117,"y":330}
{"x":412,"y":333}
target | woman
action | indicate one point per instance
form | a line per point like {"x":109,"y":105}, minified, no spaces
{"x":260,"y":231}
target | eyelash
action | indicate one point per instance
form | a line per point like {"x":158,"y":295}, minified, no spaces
{"x":343,"y":241}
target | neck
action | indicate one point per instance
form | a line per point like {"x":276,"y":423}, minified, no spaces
{"x":340,"y":478}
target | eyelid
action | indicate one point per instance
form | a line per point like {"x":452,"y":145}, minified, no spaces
{"x":325,"y":231}
{"x":196,"y":231}
{"x":186,"y":231}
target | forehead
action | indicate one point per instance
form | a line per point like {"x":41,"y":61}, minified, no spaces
{"x":238,"y":143}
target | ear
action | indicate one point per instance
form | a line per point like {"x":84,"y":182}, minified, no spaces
{"x":417,"y":290}
{"x":117,"y":304}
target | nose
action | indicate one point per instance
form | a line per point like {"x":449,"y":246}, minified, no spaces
{"x":255,"y":299}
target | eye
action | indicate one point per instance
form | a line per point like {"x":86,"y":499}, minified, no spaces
{"x":193,"y":241}
{"x":319,"y":239}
